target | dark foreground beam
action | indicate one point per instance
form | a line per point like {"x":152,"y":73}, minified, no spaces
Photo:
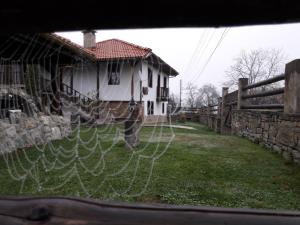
{"x":59,"y":15}
{"x":79,"y":211}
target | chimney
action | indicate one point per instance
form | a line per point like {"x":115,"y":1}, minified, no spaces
{"x":89,"y":39}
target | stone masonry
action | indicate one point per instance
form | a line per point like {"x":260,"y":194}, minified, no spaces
{"x":29,"y":127}
{"x":275,"y":130}
{"x":32,"y":131}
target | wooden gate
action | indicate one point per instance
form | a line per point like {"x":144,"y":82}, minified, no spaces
{"x":230,"y":104}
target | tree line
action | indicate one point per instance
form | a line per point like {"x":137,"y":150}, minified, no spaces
{"x":256,"y":65}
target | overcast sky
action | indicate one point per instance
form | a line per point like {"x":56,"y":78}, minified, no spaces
{"x":188,"y":49}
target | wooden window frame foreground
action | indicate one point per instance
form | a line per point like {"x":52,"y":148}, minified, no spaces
{"x":65,"y":210}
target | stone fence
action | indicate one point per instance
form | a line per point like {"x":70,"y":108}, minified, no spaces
{"x":275,"y":130}
{"x":276,"y":126}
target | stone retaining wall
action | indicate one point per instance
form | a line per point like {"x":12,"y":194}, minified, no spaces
{"x":152,"y":119}
{"x":31,"y":131}
{"x":275,"y":130}
{"x":212,"y":121}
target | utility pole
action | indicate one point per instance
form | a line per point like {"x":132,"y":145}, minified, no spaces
{"x":180,"y":94}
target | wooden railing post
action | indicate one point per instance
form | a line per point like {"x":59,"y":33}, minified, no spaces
{"x":243,"y":82}
{"x":218,"y":123}
{"x":208,"y":115}
{"x":224,"y":93}
{"x":219,"y":107}
{"x":292,"y":87}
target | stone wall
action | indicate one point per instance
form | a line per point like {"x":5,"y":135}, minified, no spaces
{"x":212,"y":121}
{"x":26,"y":126}
{"x":24,"y":100}
{"x":116,"y":110}
{"x":119,"y":110}
{"x":31,"y":131}
{"x":151,"y":119}
{"x":275,"y":130}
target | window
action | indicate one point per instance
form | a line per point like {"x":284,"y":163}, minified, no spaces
{"x":158,"y":80}
{"x":150,"y":107}
{"x":150,"y":78}
{"x":163,"y":108}
{"x":113,"y":72}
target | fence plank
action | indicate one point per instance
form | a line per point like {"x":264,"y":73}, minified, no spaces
{"x":265,"y":82}
{"x":265,"y":93}
{"x":265,"y":106}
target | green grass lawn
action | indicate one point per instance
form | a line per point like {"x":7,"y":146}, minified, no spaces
{"x":176,"y":166}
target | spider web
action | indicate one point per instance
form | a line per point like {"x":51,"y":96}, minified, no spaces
{"x":92,"y":159}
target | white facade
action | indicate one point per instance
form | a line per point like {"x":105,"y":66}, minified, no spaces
{"x":85,"y":81}
{"x":152,"y":92}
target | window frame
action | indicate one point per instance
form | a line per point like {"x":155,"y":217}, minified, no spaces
{"x":150,"y":107}
{"x":150,"y":78}
{"x":114,"y":73}
{"x":165,"y":84}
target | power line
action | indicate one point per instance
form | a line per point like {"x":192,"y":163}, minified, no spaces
{"x":211,"y":55}
{"x":180,"y":94}
{"x":197,"y":49}
{"x":204,"y":49}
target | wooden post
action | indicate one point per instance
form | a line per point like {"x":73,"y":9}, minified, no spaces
{"x":208,"y":115}
{"x":219,"y":107}
{"x":243,"y":82}
{"x":224,"y":93}
{"x":132,"y":86}
{"x":292,"y":87}
{"x":180,"y":93}
{"x":98,"y":93}
{"x":98,"y":81}
{"x":218,"y":122}
{"x":55,"y":85}
{"x":132,"y":124}
{"x":208,"y":109}
{"x":71,"y":80}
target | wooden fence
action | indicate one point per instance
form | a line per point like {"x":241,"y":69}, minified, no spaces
{"x":218,"y":117}
{"x":244,"y":88}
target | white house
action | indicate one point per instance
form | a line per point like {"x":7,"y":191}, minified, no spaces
{"x":121,"y":71}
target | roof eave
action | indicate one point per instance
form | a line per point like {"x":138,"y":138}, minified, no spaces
{"x":70,"y":45}
{"x":171,"y":71}
{"x":118,"y":58}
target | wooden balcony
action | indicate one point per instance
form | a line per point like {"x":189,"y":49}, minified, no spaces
{"x":4,"y":86}
{"x":162,"y":94}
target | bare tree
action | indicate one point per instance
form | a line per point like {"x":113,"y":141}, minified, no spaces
{"x":173,"y":102}
{"x":255,"y":65}
{"x":191,"y":93}
{"x":207,"y":95}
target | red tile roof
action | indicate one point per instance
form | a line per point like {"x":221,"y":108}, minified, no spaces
{"x":70,"y":44}
{"x":118,"y":49}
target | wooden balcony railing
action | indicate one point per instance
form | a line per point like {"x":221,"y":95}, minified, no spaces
{"x":162,"y":94}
